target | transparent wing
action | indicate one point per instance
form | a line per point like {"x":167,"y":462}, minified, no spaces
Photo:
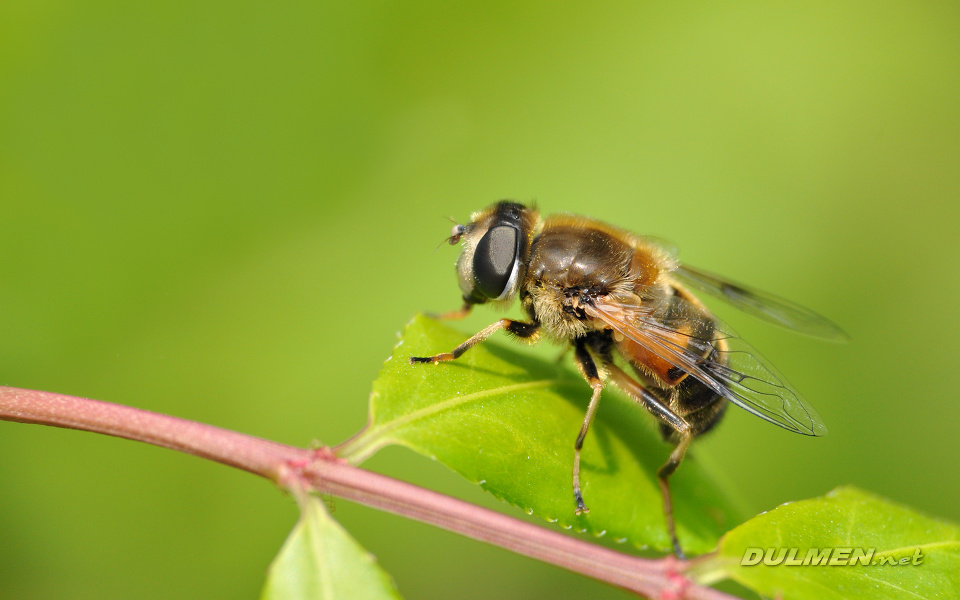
{"x":720,"y":360}
{"x":763,"y":305}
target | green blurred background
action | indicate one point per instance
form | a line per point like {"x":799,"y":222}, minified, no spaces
{"x":226,"y":211}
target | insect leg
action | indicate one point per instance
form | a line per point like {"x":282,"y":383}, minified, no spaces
{"x":588,"y":368}
{"x":662,"y":412}
{"x":452,"y":315}
{"x":662,"y":474}
{"x":517,"y":328}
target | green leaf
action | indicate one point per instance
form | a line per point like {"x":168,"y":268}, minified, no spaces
{"x":846,"y":518}
{"x":320,"y":561}
{"x":508,"y":421}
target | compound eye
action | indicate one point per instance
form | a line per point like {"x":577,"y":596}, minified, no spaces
{"x":495,"y":259}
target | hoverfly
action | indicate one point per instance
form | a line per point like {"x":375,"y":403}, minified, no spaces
{"x":608,"y":292}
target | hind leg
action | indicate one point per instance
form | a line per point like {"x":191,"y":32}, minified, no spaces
{"x":669,"y":419}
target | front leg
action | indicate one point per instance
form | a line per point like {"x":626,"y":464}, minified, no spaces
{"x":453,"y":315}
{"x":517,"y":328}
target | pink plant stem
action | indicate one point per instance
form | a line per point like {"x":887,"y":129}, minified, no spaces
{"x":323,"y":472}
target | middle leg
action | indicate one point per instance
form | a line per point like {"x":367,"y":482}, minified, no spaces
{"x":588,"y":368}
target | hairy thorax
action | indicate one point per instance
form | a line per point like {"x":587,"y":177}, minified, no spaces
{"x":571,"y":263}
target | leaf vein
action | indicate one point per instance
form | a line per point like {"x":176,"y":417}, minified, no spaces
{"x":381,"y":430}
